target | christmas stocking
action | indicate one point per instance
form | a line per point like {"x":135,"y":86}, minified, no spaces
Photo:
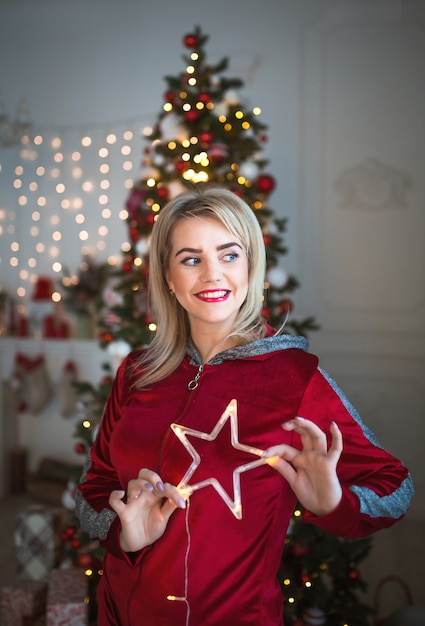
{"x":33,"y":382}
{"x":67,"y":393}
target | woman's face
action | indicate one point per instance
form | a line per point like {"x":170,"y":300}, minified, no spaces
{"x":208,"y":272}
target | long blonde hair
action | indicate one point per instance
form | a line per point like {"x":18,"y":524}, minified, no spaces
{"x":169,"y":345}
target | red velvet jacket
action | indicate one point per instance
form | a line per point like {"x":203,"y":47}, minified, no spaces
{"x":224,"y":566}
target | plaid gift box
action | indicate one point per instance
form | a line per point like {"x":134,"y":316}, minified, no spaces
{"x":67,"y":599}
{"x":36,"y":541}
{"x":23,"y":602}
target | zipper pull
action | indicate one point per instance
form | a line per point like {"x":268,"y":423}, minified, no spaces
{"x":194,"y":383}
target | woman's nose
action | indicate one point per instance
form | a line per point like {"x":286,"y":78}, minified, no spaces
{"x":211,"y":271}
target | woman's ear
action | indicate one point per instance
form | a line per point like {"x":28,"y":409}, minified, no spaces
{"x":170,"y":283}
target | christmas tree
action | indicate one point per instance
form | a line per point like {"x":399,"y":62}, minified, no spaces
{"x":202,"y":135}
{"x":320,"y":577}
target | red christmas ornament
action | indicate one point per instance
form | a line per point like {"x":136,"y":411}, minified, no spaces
{"x":353,"y":574}
{"x":192,"y":115}
{"x":298,"y":549}
{"x":266,"y":183}
{"x":267,"y":240}
{"x":266,"y":313}
{"x":169,"y":96}
{"x":106,"y":380}
{"x":85,"y":560}
{"x":75,"y":544}
{"x":180,"y":166}
{"x":218,"y":152}
{"x":70,"y":531}
{"x":162,"y":193}
{"x":191,"y":40}
{"x":133,"y":234}
{"x":204,"y":97}
{"x":286,"y":305}
{"x":80,"y":448}
{"x":134,"y":200}
{"x":105,"y":337}
{"x":206,"y":137}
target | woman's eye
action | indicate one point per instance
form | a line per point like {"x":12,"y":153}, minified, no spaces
{"x":230,"y":257}
{"x":192,"y":260}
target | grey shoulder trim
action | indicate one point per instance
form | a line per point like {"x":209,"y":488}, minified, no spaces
{"x":260,"y":347}
{"x":95,"y":524}
{"x":392,"y":506}
{"x":350,"y":408}
{"x":395,"y":504}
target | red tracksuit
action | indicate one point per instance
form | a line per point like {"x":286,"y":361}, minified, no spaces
{"x":225,"y":567}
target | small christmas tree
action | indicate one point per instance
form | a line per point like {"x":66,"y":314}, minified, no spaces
{"x":204,"y":135}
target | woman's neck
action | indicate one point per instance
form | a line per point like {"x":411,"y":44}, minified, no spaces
{"x":210,"y":345}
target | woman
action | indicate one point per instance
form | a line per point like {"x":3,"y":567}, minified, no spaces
{"x":191,"y":481}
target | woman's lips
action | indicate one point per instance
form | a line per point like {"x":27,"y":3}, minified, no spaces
{"x":216,"y":295}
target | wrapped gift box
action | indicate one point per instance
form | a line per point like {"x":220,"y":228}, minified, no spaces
{"x":36,"y":542}
{"x":67,"y":598}
{"x":23,"y":603}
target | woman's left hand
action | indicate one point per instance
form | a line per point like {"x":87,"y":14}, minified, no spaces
{"x":311,"y":471}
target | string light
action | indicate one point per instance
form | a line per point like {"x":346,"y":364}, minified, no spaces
{"x":61,"y":171}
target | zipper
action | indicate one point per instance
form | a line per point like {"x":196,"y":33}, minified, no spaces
{"x":195,"y":381}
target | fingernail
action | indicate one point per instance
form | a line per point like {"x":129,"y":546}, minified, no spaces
{"x":160,"y":486}
{"x":181,"y":503}
{"x":149,"y":486}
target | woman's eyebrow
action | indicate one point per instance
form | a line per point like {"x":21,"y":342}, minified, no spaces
{"x":224,"y":246}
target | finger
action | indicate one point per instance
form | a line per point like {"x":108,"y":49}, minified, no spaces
{"x":173,"y":495}
{"x":151,"y":477}
{"x":284,"y":468}
{"x":168,"y":509}
{"x":282,"y":450}
{"x":336,"y":447}
{"x":312,"y":437}
{"x":116,"y":501}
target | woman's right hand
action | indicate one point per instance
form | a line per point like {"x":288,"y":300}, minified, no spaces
{"x":145,"y":512}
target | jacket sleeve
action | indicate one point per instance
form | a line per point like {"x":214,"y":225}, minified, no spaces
{"x":99,"y":476}
{"x":377,"y":487}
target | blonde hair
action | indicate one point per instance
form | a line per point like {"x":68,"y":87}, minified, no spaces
{"x":169,"y":345}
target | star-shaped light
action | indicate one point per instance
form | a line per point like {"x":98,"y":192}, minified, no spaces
{"x":186,"y":489}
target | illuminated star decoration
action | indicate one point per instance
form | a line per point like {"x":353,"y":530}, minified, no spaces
{"x":186,"y":489}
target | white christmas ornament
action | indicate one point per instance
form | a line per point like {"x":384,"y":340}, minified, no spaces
{"x":158,"y":159}
{"x":277,"y":277}
{"x":175,"y":187}
{"x":249,"y":170}
{"x":111,"y":297}
{"x":170,"y":127}
{"x":231,"y":96}
{"x":68,"y":497}
{"x":222,"y":108}
{"x":272,"y":229}
{"x":314,"y":617}
{"x":142,"y":246}
{"x":118,"y":349}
